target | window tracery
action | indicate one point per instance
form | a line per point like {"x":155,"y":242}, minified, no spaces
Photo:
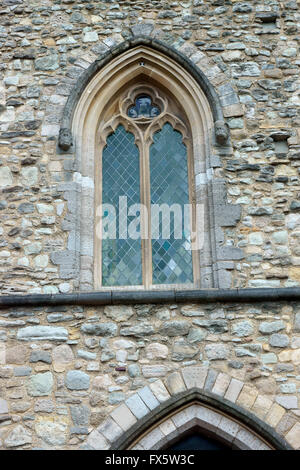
{"x":145,"y":157}
{"x":186,"y":100}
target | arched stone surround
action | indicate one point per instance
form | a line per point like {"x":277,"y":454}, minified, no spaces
{"x":195,"y":397}
{"x":159,"y":47}
{"x":194,"y":417}
{"x":184,"y":77}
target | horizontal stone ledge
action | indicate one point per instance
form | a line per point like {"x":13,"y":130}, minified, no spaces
{"x":144,"y":297}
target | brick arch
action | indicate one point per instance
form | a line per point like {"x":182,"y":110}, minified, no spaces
{"x":193,"y":398}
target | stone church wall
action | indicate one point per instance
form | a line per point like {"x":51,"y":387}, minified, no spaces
{"x":248,"y":51}
{"x":64,"y":371}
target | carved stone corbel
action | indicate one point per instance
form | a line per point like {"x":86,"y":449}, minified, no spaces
{"x":222,"y":132}
{"x":65,"y":138}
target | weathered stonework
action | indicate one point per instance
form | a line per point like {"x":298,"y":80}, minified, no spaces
{"x":83,"y":390}
{"x":261,"y":175}
{"x":74,"y":377}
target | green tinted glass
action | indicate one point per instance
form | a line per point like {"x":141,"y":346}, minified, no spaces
{"x":171,"y":256}
{"x":121,"y":258}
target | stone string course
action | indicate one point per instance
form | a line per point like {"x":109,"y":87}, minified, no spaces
{"x":75,"y":378}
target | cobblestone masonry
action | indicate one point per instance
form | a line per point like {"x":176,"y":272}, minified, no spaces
{"x":58,"y":381}
{"x":65,"y":371}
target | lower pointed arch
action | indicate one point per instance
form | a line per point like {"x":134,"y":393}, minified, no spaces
{"x":202,"y":412}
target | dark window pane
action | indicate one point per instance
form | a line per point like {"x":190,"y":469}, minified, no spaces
{"x":121,"y":258}
{"x":171,"y":255}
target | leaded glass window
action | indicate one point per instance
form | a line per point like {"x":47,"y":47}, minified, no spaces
{"x":122,"y":256}
{"x":145,"y":162}
{"x":171,"y":257}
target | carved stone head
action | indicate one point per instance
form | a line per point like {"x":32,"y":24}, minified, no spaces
{"x":65,"y":138}
{"x":222,"y":133}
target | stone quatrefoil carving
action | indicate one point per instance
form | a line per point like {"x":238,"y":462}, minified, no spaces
{"x":143,"y":106}
{"x":143,"y":111}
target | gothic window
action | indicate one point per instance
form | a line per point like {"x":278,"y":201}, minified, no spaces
{"x":147,"y":129}
{"x":145,"y":209}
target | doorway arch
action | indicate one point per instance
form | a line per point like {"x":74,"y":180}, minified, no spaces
{"x":199,"y":411}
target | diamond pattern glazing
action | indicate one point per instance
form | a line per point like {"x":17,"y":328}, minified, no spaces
{"x":171,"y":257}
{"x":121,"y":258}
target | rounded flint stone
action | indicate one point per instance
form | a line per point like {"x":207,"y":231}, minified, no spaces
{"x":138,"y":330}
{"x":183,"y":350}
{"x":80,"y":415}
{"x":18,"y":437}
{"x":40,"y":385}
{"x":279,"y":340}
{"x":26,"y":208}
{"x":196,"y":335}
{"x":271,"y":327}
{"x":77,"y":380}
{"x":22,"y":371}
{"x":88,"y":356}
{"x":242,"y":7}
{"x":134,"y":370}
{"x":243,"y":328}
{"x":42,"y":356}
{"x":49,"y":62}
{"x":175,"y":328}
{"x":215,"y":351}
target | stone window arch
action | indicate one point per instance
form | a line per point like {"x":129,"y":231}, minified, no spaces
{"x":186,"y":101}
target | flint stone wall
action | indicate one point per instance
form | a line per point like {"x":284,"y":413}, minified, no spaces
{"x":60,"y":376}
{"x":65,"y":371}
{"x":249,"y":52}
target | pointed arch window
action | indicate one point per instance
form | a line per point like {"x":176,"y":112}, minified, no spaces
{"x":145,"y":212}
